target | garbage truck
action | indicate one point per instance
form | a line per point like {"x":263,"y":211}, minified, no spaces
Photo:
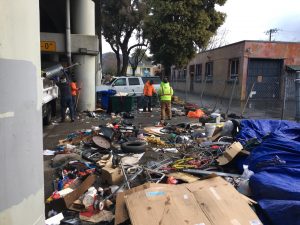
{"x":50,"y":96}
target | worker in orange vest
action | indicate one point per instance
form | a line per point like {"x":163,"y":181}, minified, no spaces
{"x":74,"y":92}
{"x":149,"y":91}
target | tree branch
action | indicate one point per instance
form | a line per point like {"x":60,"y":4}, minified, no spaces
{"x":137,"y":45}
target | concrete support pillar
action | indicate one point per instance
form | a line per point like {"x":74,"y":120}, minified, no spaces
{"x":83,"y":21}
{"x":68,"y":33}
{"x":21,"y":160}
{"x":85,"y":75}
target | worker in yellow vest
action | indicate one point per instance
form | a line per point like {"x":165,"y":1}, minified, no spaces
{"x":165,"y":93}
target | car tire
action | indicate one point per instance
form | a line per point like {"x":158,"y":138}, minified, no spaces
{"x":134,"y":147}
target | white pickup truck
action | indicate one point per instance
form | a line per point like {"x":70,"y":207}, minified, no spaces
{"x":130,"y":85}
{"x":50,"y":95}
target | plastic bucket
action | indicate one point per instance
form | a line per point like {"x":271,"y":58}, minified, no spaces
{"x":210,"y":129}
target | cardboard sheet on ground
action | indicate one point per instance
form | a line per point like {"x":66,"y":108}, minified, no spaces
{"x":210,"y":201}
{"x":164,"y":206}
{"x":121,"y":214}
{"x":222,"y":204}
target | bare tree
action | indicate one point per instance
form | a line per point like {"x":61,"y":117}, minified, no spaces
{"x":216,"y":41}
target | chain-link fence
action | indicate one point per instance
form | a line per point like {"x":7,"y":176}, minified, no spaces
{"x":263,"y":99}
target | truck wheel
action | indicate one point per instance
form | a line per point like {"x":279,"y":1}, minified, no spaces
{"x":48,"y":116}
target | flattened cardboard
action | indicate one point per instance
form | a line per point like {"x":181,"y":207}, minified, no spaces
{"x":230,"y":152}
{"x":165,"y":206}
{"x":216,"y":200}
{"x":121,"y":214}
{"x":224,"y":205}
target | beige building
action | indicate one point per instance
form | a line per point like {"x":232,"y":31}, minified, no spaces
{"x":258,"y":67}
{"x":143,"y":69}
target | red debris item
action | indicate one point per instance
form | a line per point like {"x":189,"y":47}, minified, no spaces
{"x":172,"y":180}
{"x":90,"y":211}
{"x":196,"y":114}
{"x":55,"y":195}
{"x":86,"y":172}
{"x":215,"y":147}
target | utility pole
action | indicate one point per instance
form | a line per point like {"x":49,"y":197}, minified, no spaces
{"x":270,"y":32}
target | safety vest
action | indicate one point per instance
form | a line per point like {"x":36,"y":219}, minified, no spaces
{"x":149,"y":89}
{"x":74,"y":88}
{"x":165,"y":92}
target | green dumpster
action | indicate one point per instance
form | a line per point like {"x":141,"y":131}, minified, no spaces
{"x":121,"y":103}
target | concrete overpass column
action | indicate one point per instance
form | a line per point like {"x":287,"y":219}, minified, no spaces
{"x":21,"y":160}
{"x":83,"y":21}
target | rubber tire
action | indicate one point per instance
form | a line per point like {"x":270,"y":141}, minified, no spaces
{"x":134,"y":147}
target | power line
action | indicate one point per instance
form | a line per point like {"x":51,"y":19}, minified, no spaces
{"x":270,"y":32}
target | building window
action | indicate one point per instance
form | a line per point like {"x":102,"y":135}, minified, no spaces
{"x":233,"y":69}
{"x":209,"y":71}
{"x":198,"y":75}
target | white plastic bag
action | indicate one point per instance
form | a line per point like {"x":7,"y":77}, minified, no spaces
{"x":244,"y":183}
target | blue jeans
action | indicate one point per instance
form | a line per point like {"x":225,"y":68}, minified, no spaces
{"x":64,"y":104}
{"x":147,"y":103}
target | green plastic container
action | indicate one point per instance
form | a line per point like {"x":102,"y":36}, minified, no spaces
{"x":121,"y":103}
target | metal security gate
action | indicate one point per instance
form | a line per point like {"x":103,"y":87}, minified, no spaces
{"x":266,"y":73}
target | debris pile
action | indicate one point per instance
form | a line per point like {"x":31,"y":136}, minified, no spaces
{"x":185,"y":173}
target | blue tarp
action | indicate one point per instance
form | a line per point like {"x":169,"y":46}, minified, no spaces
{"x":276,"y":163}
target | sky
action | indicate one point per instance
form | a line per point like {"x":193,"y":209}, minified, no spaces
{"x":250,"y":19}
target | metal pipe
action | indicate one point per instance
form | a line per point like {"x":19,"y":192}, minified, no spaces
{"x":284,"y":99}
{"x":297,"y":95}
{"x":205,"y":172}
{"x":125,"y":176}
{"x":221,"y":95}
{"x":202,"y":92}
{"x":246,"y":103}
{"x":68,"y":33}
{"x":231,"y":97}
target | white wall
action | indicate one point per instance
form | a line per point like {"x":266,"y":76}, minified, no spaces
{"x":21,"y":161}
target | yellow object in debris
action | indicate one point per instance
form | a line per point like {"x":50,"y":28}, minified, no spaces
{"x":156,"y":141}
